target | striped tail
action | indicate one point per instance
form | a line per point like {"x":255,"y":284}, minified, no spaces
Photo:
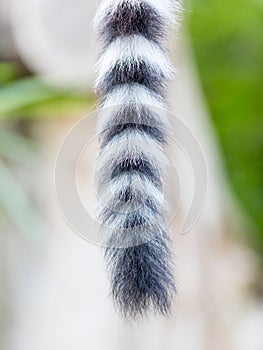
{"x":132,"y":74}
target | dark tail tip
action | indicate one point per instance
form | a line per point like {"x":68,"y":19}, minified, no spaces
{"x":141,"y":278}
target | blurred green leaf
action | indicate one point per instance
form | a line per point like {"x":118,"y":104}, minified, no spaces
{"x":30,"y":97}
{"x":27,"y":91}
{"x":8,"y":71}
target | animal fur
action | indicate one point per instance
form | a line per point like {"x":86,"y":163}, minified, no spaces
{"x":132,"y":74}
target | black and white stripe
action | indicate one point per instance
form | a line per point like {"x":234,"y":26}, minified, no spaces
{"x":124,"y":18}
{"x":132,"y":75}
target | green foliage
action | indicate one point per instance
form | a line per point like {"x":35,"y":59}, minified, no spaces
{"x":228,"y":43}
{"x":8,"y":72}
{"x":29,"y":97}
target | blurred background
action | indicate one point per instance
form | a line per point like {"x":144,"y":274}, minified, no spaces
{"x":53,"y":292}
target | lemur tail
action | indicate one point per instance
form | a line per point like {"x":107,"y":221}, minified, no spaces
{"x":132,"y":73}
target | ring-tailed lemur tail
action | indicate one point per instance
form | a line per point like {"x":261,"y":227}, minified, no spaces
{"x":131,"y":80}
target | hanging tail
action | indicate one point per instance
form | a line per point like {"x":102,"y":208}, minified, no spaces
{"x":132,"y":74}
